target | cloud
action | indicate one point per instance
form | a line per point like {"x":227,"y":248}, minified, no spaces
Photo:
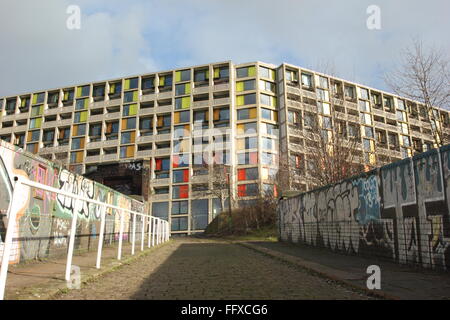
{"x":119,"y":38}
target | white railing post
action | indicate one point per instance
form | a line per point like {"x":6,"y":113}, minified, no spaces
{"x":73,"y":230}
{"x":133,"y":239}
{"x":150,"y":231}
{"x":153,"y":231}
{"x":101,"y":236}
{"x":168,"y":231}
{"x":119,"y":252}
{"x":158,"y":231}
{"x":143,"y":220}
{"x":18,"y":193}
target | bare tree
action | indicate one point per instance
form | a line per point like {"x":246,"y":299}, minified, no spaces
{"x":424,"y":75}
{"x":333,"y":151}
{"x":220,"y":176}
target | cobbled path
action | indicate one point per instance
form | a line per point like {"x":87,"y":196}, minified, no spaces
{"x":190,"y":268}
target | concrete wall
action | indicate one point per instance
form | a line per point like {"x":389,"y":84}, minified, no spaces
{"x":43,"y":222}
{"x":399,"y":212}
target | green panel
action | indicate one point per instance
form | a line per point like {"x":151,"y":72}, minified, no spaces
{"x":38,"y":123}
{"x":216,"y":73}
{"x":185,"y":102}
{"x":35,"y":98}
{"x":83,"y":116}
{"x":240,"y":100}
{"x":207,"y":74}
{"x":127,"y":84}
{"x":273,"y":74}
{"x":79,"y":92}
{"x":187,"y":88}
{"x":41,"y":110}
{"x":240,"y":86}
{"x":251,"y":71}
{"x":273,"y":101}
{"x":177,"y":76}
{"x":86,"y":102}
{"x":133,"y":109}
{"x":135,"y":95}
{"x":112,"y":88}
{"x":162,"y":81}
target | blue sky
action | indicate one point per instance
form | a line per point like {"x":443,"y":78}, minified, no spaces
{"x":119,"y":38}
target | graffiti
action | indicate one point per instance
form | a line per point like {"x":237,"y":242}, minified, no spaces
{"x":399,"y":212}
{"x":44,"y":219}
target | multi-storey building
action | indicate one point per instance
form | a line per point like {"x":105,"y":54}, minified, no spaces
{"x":158,"y":135}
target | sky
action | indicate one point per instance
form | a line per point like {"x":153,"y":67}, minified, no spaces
{"x":119,"y":38}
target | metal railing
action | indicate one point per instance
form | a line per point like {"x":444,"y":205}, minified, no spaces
{"x":158,"y":229}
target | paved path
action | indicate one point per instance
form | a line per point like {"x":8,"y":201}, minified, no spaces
{"x":397,"y":281}
{"x":190,"y":268}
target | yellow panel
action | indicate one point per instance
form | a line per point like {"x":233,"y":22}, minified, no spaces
{"x":252,"y":113}
{"x":251,"y":71}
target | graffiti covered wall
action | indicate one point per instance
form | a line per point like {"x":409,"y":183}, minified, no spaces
{"x":399,"y":212}
{"x":44,"y":219}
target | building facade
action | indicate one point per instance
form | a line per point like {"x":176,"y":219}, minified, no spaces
{"x":159,"y":136}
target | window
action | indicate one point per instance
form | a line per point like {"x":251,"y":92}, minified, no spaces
{"x":76,"y":157}
{"x":246,"y":72}
{"x":148,"y":83}
{"x":247,"y":143}
{"x":128,"y":137}
{"x":38,"y":98}
{"x":83,"y":91}
{"x":201,"y":75}
{"x":221,"y":73}
{"x":247,"y":174}
{"x":294,"y":118}
{"x":95,"y":130}
{"x":80,"y":116}
{"x":246,"y":128}
{"x":127,"y":152}
{"x":180,"y":161}
{"x":267,"y":86}
{"x":77,"y":143}
{"x":162,"y":164}
{"x":267,"y":73}
{"x":368,"y":131}
{"x":306,"y":80}
{"x":270,"y":129}
{"x":180,"y":207}
{"x":322,"y":94}
{"x":68,"y":95}
{"x":246,"y":99}
{"x":180,"y":117}
{"x":245,"y":190}
{"x":245,"y":85}
{"x":182,"y":89}
{"x":128,"y":123}
{"x":323,"y":82}
{"x":248,"y":158}
{"x":112,"y":128}
{"x":37,"y":110}
{"x":268,"y":158}
{"x":99,"y":91}
{"x":131,"y":83}
{"x":349,"y":92}
{"x":199,"y":214}
{"x":183,"y":75}
{"x":79,"y":130}
{"x":324,"y":108}
{"x":129,"y":110}
{"x":130,"y":96}
{"x":163,"y":120}
{"x":160,"y":210}
{"x":364,"y":106}
{"x":268,"y":143}
{"x":364,"y":93}
{"x":181,"y":131}
{"x":180,"y":176}
{"x":244,"y":114}
{"x":268,"y":100}
{"x":35,"y":123}
{"x":182,"y":103}
{"x":291,"y":76}
{"x":33,"y":135}
{"x":180,"y":192}
{"x":179,"y":224}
